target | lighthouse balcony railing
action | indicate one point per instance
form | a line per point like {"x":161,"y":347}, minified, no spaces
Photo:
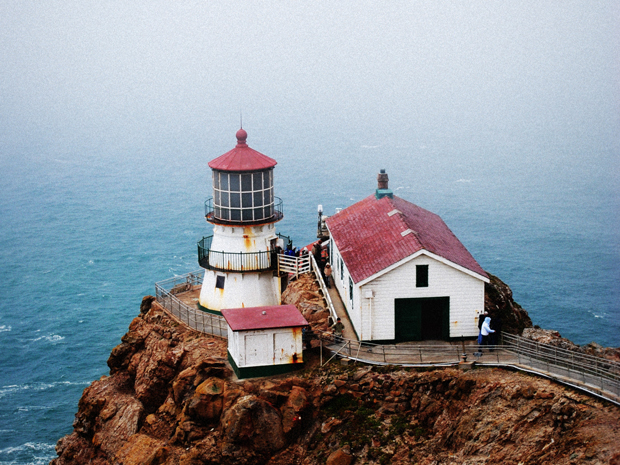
{"x":234,"y":261}
{"x":167,"y":293}
{"x":247,"y":216}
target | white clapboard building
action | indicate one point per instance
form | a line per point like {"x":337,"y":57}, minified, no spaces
{"x":264,"y":341}
{"x":401,"y":273}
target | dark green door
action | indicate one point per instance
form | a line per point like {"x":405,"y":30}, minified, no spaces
{"x":422,"y":319}
{"x":408,"y":319}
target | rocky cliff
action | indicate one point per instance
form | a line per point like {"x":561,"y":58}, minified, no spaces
{"x":499,"y":304}
{"x":170,"y":398}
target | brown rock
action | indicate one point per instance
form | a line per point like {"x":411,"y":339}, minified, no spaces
{"x":208,"y":401}
{"x":339,"y":457}
{"x":498,"y":303}
{"x":170,"y":399}
{"x":140,"y":450}
{"x":293,"y":409}
{"x":253,"y":423}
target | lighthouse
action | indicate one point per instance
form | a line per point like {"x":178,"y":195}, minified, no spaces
{"x":240,"y":259}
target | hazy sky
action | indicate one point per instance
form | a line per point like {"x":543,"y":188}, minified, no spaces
{"x":139,"y":74}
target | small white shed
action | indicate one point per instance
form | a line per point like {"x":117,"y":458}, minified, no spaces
{"x":264,"y":341}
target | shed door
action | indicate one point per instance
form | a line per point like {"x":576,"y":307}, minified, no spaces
{"x":421,"y":319}
{"x":257,"y":349}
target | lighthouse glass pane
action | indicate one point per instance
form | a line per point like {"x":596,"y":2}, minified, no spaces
{"x":258,"y":199}
{"x":224,"y":199}
{"x":258,"y":214}
{"x":268,"y":179}
{"x":246,"y":199}
{"x":217,"y":198}
{"x":235,"y":215}
{"x":223,"y":181}
{"x":246,"y":182}
{"x":246,"y":215}
{"x":225,"y":215}
{"x":258,"y":181}
{"x":234,"y":182}
{"x":235,"y":200}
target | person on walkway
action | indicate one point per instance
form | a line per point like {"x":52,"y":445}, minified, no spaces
{"x":481,"y":320}
{"x":316,"y":251}
{"x":486,"y":330}
{"x":327,"y":272}
{"x":338,"y":328}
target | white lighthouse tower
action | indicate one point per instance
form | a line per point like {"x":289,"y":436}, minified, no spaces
{"x":239,"y":259}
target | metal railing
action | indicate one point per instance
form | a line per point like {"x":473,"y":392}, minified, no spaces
{"x":287,"y":242}
{"x":294,"y":265}
{"x":275,"y":213}
{"x":592,"y":374}
{"x":208,"y":323}
{"x":585,"y":369}
{"x":319,"y":278}
{"x":234,"y":261}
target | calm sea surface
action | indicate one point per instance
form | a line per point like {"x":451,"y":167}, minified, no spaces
{"x":85,"y":234}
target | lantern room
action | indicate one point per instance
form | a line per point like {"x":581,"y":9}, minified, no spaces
{"x":243,"y":186}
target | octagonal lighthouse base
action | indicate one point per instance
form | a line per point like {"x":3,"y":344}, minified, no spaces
{"x":241,"y":272}
{"x":240,"y":290}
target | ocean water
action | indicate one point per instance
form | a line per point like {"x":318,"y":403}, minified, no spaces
{"x":86,"y":232}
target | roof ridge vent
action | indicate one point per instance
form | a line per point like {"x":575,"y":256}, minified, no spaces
{"x":394,"y":212}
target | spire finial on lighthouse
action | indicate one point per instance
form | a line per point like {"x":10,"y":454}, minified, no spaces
{"x":242,"y":136}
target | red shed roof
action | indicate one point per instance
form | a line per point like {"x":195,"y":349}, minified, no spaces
{"x":242,"y":157}
{"x":251,"y":318}
{"x":374,"y":234}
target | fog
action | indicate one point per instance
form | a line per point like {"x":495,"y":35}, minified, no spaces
{"x":174,"y":77}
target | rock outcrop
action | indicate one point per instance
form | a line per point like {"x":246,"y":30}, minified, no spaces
{"x":170,"y":398}
{"x":304,"y":293}
{"x":499,"y":304}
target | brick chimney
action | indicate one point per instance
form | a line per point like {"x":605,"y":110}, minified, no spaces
{"x":382,"y":186}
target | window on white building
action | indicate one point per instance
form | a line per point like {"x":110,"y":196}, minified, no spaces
{"x":421,"y":276}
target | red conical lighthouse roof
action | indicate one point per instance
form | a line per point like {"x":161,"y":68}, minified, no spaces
{"x":242,"y":157}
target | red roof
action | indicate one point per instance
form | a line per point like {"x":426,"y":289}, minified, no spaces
{"x":242,"y":157}
{"x":369,"y":236}
{"x":277,"y":316}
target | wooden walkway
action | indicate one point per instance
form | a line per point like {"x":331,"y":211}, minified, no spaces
{"x":342,"y":314}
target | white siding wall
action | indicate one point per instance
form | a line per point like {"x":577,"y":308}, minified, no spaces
{"x":250,"y":289}
{"x":342,"y":284}
{"x":265,"y":347}
{"x":466,"y":298}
